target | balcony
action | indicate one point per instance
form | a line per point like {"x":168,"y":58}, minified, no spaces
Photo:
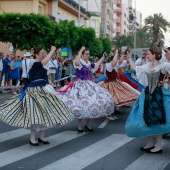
{"x":116,"y":30}
{"x":117,"y":20}
{"x":73,"y":7}
{"x":118,"y":2}
{"x":51,"y":17}
{"x":117,"y":10}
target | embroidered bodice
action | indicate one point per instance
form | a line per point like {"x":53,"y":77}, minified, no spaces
{"x":83,"y":70}
{"x":37,"y":72}
{"x":154,"y":79}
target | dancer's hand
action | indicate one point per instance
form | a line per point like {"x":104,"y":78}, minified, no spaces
{"x":53,"y":48}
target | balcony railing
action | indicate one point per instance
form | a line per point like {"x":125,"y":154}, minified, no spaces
{"x":118,"y":2}
{"x":118,"y":10}
{"x":116,"y":30}
{"x":116,"y":20}
{"x":51,"y":17}
{"x":76,"y":6}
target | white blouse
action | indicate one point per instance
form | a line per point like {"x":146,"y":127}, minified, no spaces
{"x":164,"y":67}
{"x":87,"y":64}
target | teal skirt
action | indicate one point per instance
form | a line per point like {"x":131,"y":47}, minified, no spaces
{"x":136,"y":125}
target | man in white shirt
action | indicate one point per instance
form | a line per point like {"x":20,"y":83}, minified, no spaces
{"x":52,"y":68}
{"x":1,"y":66}
{"x":26,"y":68}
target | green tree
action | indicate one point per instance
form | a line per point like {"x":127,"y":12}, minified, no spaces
{"x":97,"y":48}
{"x":107,"y":45}
{"x":26,"y":30}
{"x":157,"y":25}
{"x":120,"y":41}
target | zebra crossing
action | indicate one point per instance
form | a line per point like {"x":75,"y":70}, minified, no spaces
{"x":107,"y":152}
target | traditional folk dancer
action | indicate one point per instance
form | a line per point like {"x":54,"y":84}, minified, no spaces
{"x":122,"y":92}
{"x":126,"y":77}
{"x":85,"y":98}
{"x":150,"y":113}
{"x":37,"y":107}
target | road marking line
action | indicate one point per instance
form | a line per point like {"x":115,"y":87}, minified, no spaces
{"x":13,"y":134}
{"x":25,"y":151}
{"x":90,"y":154}
{"x":104,"y":123}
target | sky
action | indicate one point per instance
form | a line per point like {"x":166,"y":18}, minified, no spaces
{"x":150,"y":7}
{"x":146,"y":7}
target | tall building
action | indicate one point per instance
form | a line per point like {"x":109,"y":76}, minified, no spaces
{"x":94,"y":22}
{"x":107,"y":19}
{"x":121,"y":17}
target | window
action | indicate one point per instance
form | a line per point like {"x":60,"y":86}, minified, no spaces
{"x":40,"y":9}
{"x":124,"y":22}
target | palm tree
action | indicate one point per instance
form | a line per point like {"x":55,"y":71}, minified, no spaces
{"x":157,"y":25}
{"x":123,"y":40}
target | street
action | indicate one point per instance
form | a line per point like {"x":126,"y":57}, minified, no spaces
{"x":107,"y":148}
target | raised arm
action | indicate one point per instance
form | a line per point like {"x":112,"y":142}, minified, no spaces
{"x":115,"y":58}
{"x":48,"y":57}
{"x":77,"y":61}
{"x":100,"y":61}
{"x":131,"y":62}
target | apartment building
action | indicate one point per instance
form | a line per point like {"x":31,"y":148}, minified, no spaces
{"x":94,"y":22}
{"x":121,"y":17}
{"x":107,"y":19}
{"x":57,"y":10}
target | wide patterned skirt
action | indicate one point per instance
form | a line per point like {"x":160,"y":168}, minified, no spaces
{"x":39,"y":107}
{"x":136,"y":125}
{"x":86,"y":99}
{"x":122,"y":93}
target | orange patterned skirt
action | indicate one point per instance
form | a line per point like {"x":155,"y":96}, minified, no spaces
{"x":122,"y":93}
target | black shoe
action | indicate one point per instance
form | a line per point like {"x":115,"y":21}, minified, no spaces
{"x":81,"y":131}
{"x":147,"y":149}
{"x":116,"y":111}
{"x":41,"y":141}
{"x":88,"y":130}
{"x":34,"y":144}
{"x":160,"y":151}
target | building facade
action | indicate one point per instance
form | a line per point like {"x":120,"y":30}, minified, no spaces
{"x":107,"y":19}
{"x":94,"y":22}
{"x":57,"y":10}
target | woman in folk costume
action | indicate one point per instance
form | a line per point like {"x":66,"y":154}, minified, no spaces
{"x":150,"y":113}
{"x":37,"y":107}
{"x":85,"y":98}
{"x":122,"y":92}
{"x":126,"y":77}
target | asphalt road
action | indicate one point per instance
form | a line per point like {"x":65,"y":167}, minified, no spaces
{"x":107,"y":148}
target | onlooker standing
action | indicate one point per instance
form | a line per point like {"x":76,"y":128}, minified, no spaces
{"x":26,"y":68}
{"x":6,"y":70}
{"x":53,"y":67}
{"x":64,"y":69}
{"x":1,"y":67}
{"x":15,"y":72}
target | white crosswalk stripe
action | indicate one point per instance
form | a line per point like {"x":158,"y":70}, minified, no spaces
{"x":13,"y":134}
{"x":155,"y":161}
{"x":24,"y":151}
{"x":96,"y":151}
{"x":83,"y":157}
